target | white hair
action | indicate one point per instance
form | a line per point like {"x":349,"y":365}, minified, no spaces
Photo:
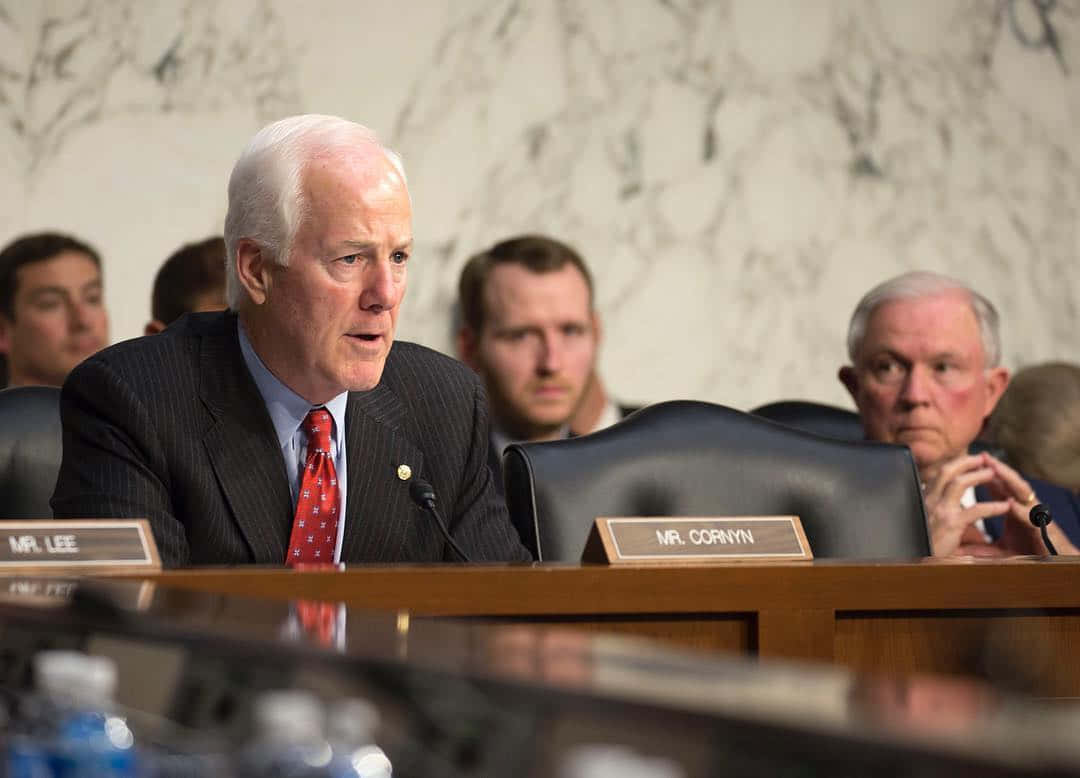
{"x":917,"y":285}
{"x":266,"y":202}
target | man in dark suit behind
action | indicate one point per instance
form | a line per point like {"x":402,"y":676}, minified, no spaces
{"x":243,"y":435}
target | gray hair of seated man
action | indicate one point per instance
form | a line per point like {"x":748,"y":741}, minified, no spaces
{"x":266,"y":201}
{"x":917,"y":285}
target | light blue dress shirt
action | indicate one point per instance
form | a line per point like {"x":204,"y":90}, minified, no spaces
{"x":287,"y":411}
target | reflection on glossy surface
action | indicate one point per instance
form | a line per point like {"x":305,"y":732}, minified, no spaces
{"x":318,"y":623}
{"x":450,"y":692}
{"x":561,"y":657}
{"x":924,"y":704}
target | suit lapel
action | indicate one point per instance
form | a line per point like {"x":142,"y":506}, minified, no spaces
{"x":378,"y":508}
{"x":242,"y":448}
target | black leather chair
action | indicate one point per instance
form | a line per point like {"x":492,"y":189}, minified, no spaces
{"x":827,"y":420}
{"x":30,"y":450}
{"x":685,"y":458}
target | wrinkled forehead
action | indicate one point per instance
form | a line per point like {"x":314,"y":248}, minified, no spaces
{"x":345,"y":177}
{"x":925,"y":326}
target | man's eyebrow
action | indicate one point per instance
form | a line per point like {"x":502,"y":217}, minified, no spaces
{"x":938,"y":355}
{"x":356,"y":246}
{"x":511,"y":329}
{"x":886,"y":352}
{"x":366,"y":246}
{"x":39,"y":291}
{"x":935,"y":357}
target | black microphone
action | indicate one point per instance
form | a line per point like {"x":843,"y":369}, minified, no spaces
{"x":1040,"y":517}
{"x":423,"y":495}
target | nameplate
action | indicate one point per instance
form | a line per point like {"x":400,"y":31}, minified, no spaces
{"x":692,"y":540}
{"x":52,"y":592}
{"x":84,"y":545}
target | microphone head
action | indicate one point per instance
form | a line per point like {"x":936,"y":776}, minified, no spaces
{"x":1040,"y":515}
{"x":422,"y":493}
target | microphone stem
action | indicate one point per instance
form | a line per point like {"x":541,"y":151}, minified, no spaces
{"x":1046,"y":540}
{"x":430,"y":505}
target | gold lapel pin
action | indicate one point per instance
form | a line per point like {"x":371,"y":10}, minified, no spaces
{"x":404,"y":472}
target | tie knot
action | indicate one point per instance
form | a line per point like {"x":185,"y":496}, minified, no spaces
{"x":317,"y":425}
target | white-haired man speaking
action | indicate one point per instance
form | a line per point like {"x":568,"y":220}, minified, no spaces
{"x":287,"y":430}
{"x":925,"y":373}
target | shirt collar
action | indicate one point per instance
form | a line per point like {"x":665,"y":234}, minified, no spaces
{"x":287,"y":409}
{"x":610,"y":415}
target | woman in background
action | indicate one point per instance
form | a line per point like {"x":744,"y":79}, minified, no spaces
{"x":1037,"y":423}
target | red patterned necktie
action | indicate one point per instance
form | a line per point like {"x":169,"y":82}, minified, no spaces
{"x":315,"y":526}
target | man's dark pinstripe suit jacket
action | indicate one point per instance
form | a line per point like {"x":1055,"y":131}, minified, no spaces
{"x":172,"y":428}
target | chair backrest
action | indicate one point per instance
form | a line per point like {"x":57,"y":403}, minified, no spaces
{"x":842,"y":424}
{"x":686,"y":458}
{"x":827,"y":420}
{"x":30,"y":450}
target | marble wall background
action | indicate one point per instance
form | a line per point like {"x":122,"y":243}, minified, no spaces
{"x":737,"y":172}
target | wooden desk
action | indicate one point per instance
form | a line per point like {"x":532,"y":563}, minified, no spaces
{"x":933,"y":616}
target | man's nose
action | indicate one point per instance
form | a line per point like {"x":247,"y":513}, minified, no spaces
{"x":916,"y":386}
{"x":382,"y":287}
{"x":79,"y":314}
{"x":551,"y":353}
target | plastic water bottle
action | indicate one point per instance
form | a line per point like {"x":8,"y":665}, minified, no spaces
{"x":71,"y":730}
{"x":289,"y":738}
{"x":352,"y":723}
{"x":25,"y":744}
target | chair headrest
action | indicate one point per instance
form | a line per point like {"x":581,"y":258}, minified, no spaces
{"x":31,"y":447}
{"x":827,"y":420}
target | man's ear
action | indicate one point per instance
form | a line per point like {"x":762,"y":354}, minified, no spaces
{"x":468,"y":347}
{"x":850,"y":379}
{"x":153,"y":327}
{"x":997,"y":379}
{"x":253,"y":270}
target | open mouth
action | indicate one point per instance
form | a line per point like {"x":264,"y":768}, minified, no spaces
{"x":364,"y":336}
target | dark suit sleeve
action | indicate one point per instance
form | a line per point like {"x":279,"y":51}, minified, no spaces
{"x":480,"y":522}
{"x":1064,"y":507}
{"x":113,"y":466}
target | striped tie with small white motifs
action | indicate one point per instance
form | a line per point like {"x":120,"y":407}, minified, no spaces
{"x":314,"y":530}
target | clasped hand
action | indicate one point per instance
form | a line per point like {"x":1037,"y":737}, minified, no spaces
{"x":953,"y":530}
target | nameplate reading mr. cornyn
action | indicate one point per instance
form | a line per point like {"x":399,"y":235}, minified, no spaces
{"x":694,"y":540}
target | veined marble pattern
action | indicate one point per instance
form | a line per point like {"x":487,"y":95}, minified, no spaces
{"x":740,"y":172}
{"x":736,"y":172}
{"x":69,"y":65}
{"x":119,"y":120}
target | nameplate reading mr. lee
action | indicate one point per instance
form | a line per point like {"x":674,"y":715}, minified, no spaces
{"x":43,"y":544}
{"x":104,"y":544}
{"x":684,"y":540}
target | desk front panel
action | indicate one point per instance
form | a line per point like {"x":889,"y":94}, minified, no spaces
{"x":1016,"y":616}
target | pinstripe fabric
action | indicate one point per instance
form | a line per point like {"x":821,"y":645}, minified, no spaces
{"x":172,"y":428}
